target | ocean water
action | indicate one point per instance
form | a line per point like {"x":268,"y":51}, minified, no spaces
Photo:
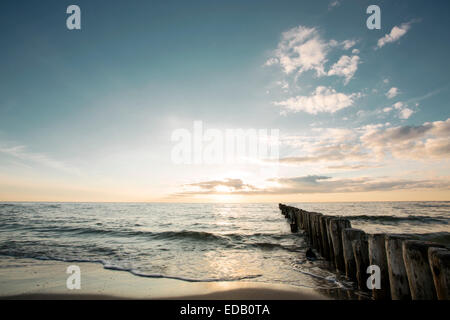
{"x":200,"y":242}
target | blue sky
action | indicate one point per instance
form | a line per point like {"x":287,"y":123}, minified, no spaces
{"x":87,"y":115}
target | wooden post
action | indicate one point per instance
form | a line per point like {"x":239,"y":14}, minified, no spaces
{"x":398,"y":279}
{"x":303,"y":219}
{"x":289,"y":214}
{"x":294,"y":228}
{"x":324,"y":235}
{"x":317,"y":233}
{"x":348,"y":235}
{"x":294,"y":224}
{"x":294,"y":215}
{"x":420,"y":278}
{"x":330,"y":241}
{"x":282,"y":208}
{"x":306,"y":224}
{"x":439,"y":260}
{"x":336,"y":227}
{"x":377,"y":256}
{"x":312,"y":230}
{"x":300,"y":218}
{"x":361,"y":254}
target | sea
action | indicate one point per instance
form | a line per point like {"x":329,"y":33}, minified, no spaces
{"x":202,"y":242}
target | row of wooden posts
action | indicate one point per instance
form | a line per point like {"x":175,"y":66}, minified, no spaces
{"x":409,"y":269}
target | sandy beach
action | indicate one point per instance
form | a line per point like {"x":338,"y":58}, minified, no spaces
{"x":36,"y":279}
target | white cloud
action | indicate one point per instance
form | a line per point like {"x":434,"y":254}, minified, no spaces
{"x":368,"y":146}
{"x":398,"y":105}
{"x":322,"y":184}
{"x":300,"y":49}
{"x":388,"y":109}
{"x":429,"y":140}
{"x":347,"y":44}
{"x":346,"y":67}
{"x":322,"y":100}
{"x":23,"y":154}
{"x":271,"y":62}
{"x":334,"y":4}
{"x":283,"y":84}
{"x":405,"y":113}
{"x":396,"y":33}
{"x":393,"y":92}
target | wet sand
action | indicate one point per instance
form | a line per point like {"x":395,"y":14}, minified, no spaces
{"x":36,"y":279}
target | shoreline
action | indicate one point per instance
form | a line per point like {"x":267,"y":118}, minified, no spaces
{"x":32,"y":279}
{"x":233,"y":294}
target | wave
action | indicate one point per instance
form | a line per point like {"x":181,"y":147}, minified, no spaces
{"x":7,"y":205}
{"x":149,"y":275}
{"x":108,"y":266}
{"x":439,"y":237}
{"x":441,"y":204}
{"x":410,"y":218}
{"x":192,"y":235}
{"x":276,"y":246}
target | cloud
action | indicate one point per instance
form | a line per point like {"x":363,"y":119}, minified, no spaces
{"x":283,"y":84}
{"x":326,"y":145}
{"x":354,"y":166}
{"x":326,"y":184}
{"x":368,"y":146}
{"x":301,"y":49}
{"x":312,"y":179}
{"x":396,"y":33}
{"x":347,"y":44}
{"x":231,"y":184}
{"x":393,"y":92}
{"x":346,"y":67}
{"x":348,"y":149}
{"x":334,"y":4}
{"x":405,"y":113}
{"x":428,"y":95}
{"x":398,"y":105}
{"x":22,"y":153}
{"x":319,"y":184}
{"x":322,"y":100}
{"x":426,"y":141}
{"x":328,"y":153}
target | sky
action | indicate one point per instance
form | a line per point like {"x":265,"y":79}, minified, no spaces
{"x":97,"y":114}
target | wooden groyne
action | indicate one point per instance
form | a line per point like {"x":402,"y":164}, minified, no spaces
{"x":408,"y":268}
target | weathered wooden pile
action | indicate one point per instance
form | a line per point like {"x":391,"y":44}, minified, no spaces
{"x":409,"y":269}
